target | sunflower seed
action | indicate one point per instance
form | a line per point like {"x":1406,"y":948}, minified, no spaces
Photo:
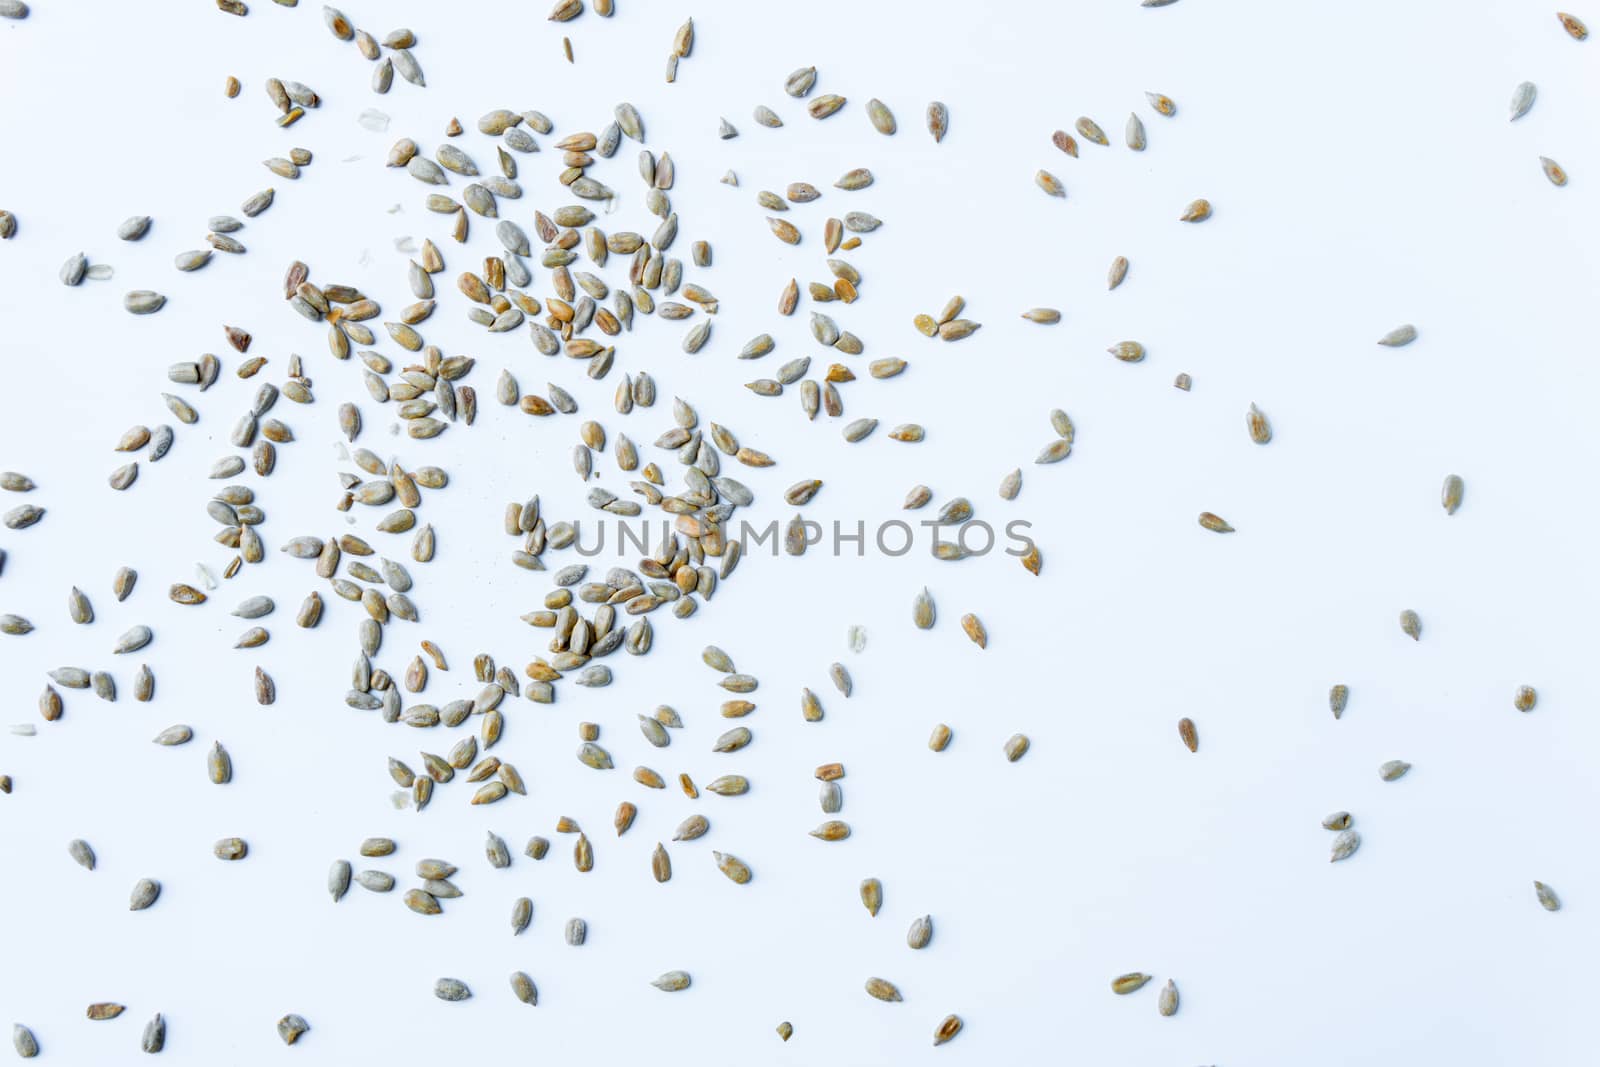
{"x":920,"y":933}
{"x":1167,"y":1001}
{"x":1450,"y":496}
{"x":1522,"y":99}
{"x":1186,"y":731}
{"x":1214,"y":523}
{"x":1573,"y":25}
{"x":1344,"y":846}
{"x":1399,"y":336}
{"x":1393,"y":769}
{"x":1129,"y":983}
{"x":1547,"y":897}
{"x":882,"y":989}
{"x":451,"y":989}
{"x":1338,"y":698}
{"x":672,"y":981}
{"x":1016,"y":747}
{"x":145,"y":892}
{"x":1411,"y":624}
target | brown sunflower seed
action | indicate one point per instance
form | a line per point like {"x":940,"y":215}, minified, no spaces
{"x":882,"y":989}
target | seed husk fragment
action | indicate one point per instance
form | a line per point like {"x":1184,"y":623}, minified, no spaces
{"x":291,"y":1027}
{"x":1214,"y":523}
{"x":1131,"y":982}
{"x":103,"y":1010}
{"x":1526,"y":698}
{"x":922,"y":610}
{"x":785,"y":1030}
{"x":920,"y":933}
{"x":947,"y":1030}
{"x":883,"y":989}
{"x":1393,"y":770}
{"x":1546,"y":896}
{"x":1338,"y":698}
{"x":939,"y":740}
{"x":1339,"y":820}
{"x":1344,"y":846}
{"x":1049,"y":183}
{"x":938,"y":121}
{"x":1573,"y":25}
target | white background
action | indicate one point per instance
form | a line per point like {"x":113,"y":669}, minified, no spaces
{"x":1363,"y":175}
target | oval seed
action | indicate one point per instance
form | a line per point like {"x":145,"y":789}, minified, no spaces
{"x":1122,"y":985}
{"x":672,"y":981}
{"x":1450,"y":495}
{"x":1411,"y":624}
{"x":1167,"y":1002}
{"x":883,"y":989}
{"x":1186,"y":731}
{"x":1394,"y":769}
{"x":1546,"y":896}
{"x":1016,"y":747}
{"x":736,"y":869}
{"x":145,"y":892}
{"x":1526,"y":698}
{"x":1344,"y":846}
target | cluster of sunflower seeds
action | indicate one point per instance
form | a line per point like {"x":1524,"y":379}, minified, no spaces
{"x":429,"y":396}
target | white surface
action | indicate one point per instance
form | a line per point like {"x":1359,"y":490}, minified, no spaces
{"x":1363,"y":174}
